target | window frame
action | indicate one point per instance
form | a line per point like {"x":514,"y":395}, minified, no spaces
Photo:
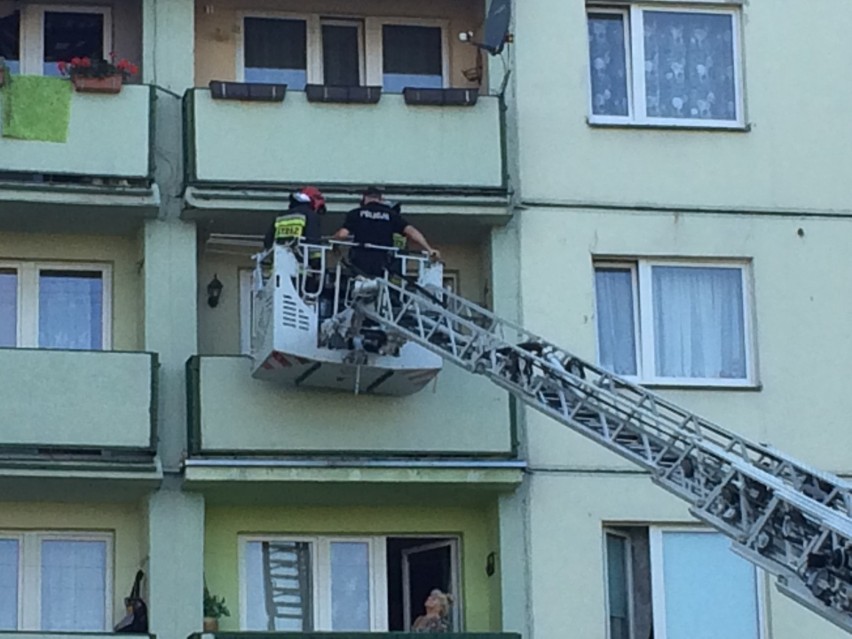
{"x":321,"y":566}
{"x":631,"y":631}
{"x":29,"y":582}
{"x":370,"y":40}
{"x":658,"y":605}
{"x":643,"y":318}
{"x":635,"y":50}
{"x":375,"y":45}
{"x":27,"y":301}
{"x":32,"y":32}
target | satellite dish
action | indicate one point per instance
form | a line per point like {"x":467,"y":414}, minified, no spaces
{"x":497,"y":26}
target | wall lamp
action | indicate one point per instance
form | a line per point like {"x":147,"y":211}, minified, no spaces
{"x":214,"y":292}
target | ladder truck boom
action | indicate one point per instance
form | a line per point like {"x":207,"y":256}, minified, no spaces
{"x":790,"y":519}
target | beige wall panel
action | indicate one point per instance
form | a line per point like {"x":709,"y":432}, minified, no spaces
{"x":791,"y":158}
{"x":802,"y":303}
{"x":567,"y":517}
{"x":119,"y":252}
{"x":217,"y":33}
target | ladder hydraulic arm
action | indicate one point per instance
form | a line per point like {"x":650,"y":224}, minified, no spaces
{"x":792,"y":520}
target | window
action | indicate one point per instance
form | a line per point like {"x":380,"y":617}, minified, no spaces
{"x":676,"y":582}
{"x":37,"y":37}
{"x":297,"y":50}
{"x":412,"y":56}
{"x":275,"y":51}
{"x":55,"y":582}
{"x":651,"y":65}
{"x":675,"y":322}
{"x":58,"y":306}
{"x":365,"y":584}
{"x":343,"y":52}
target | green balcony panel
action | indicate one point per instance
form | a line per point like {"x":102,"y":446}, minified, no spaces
{"x":77,"y":399}
{"x":108,"y":136}
{"x":232,"y":413}
{"x":390,"y":143}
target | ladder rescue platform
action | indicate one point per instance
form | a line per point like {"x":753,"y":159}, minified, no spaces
{"x":305,"y":332}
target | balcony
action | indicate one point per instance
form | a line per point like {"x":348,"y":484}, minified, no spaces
{"x":234,"y":415}
{"x":440,"y":159}
{"x":105,"y":162}
{"x":92,"y":408}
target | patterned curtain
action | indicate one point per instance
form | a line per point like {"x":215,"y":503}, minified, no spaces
{"x":689,"y":65}
{"x":608,"y":64}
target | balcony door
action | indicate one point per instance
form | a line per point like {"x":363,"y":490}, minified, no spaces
{"x":51,"y":34}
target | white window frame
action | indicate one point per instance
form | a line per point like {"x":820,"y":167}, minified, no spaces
{"x":29,"y":581}
{"x":32,"y":32}
{"x":28,"y":297}
{"x":629,"y":577}
{"x":357,"y":23}
{"x":658,"y":604}
{"x":635,"y":50}
{"x":370,"y":42}
{"x":643,"y":318}
{"x":375,"y":45}
{"x":312,"y":41}
{"x":321,"y":567}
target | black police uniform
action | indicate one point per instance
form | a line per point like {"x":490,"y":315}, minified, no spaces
{"x":373,"y":223}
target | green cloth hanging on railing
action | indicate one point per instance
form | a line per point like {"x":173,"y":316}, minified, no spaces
{"x":36,"y":108}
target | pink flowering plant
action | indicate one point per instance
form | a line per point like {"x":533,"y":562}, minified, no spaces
{"x":94,"y":68}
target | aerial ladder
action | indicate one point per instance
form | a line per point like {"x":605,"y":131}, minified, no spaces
{"x":788,"y":518}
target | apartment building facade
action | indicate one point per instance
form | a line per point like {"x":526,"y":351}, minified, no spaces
{"x":134,"y":436}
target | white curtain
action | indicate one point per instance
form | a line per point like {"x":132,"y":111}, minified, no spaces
{"x":698,"y":322}
{"x":70,"y":310}
{"x":8,"y":308}
{"x":616,"y":330}
{"x":350,"y":586}
{"x":9,"y":584}
{"x":73,"y":585}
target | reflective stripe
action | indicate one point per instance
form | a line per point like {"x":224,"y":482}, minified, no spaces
{"x":289,"y":226}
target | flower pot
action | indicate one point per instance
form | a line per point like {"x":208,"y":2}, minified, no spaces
{"x":211,"y":624}
{"x":108,"y":84}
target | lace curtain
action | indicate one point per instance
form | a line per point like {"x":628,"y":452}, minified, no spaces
{"x":70,"y":310}
{"x":8,"y":308}
{"x":9,"y":584}
{"x":350,"y":586}
{"x":73,"y":585}
{"x":689,"y":65}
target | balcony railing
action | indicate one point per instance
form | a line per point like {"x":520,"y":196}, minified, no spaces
{"x":108,"y":137}
{"x":233,"y":414}
{"x":441,"y":148}
{"x":77,"y":403}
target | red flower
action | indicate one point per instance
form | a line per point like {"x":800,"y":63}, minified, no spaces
{"x":85,"y":62}
{"x":62,"y":66}
{"x":75,"y":61}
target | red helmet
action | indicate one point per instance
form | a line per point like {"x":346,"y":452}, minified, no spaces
{"x":315,"y":197}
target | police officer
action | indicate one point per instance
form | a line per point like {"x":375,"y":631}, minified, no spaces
{"x":375,"y":222}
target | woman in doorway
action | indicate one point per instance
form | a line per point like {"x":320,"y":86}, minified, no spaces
{"x":437,"y":617}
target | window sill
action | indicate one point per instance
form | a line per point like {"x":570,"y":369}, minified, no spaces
{"x":688,"y":386}
{"x":733,"y":128}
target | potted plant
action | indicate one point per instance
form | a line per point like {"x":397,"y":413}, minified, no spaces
{"x":98,"y":76}
{"x":214,"y":609}
{"x":2,"y":71}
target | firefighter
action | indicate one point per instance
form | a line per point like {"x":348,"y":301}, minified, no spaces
{"x":375,"y":222}
{"x":301,"y":220}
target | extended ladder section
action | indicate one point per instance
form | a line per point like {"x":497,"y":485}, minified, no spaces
{"x":286,"y":585}
{"x":790,"y":519}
